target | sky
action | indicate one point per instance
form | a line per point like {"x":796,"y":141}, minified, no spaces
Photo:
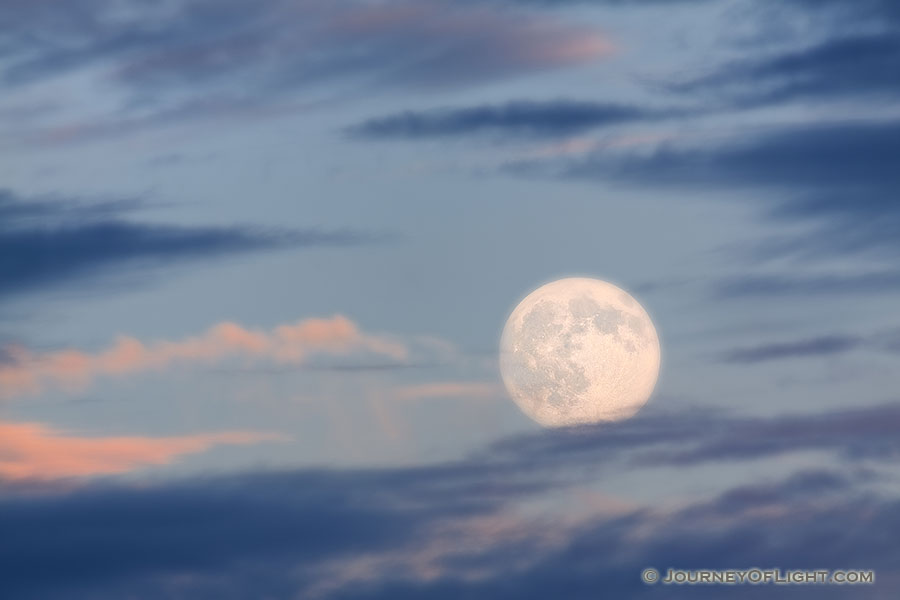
{"x":256,"y":258}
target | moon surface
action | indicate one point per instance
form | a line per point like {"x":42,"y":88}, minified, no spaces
{"x":579,"y":351}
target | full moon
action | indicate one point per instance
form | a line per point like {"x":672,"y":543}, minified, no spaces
{"x":579,"y":351}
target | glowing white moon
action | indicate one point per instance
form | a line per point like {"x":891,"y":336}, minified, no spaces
{"x":579,"y":351}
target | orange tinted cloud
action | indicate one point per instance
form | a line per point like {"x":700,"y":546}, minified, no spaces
{"x":26,"y":372}
{"x":35,"y":451}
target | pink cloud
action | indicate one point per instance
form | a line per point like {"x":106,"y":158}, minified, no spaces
{"x":35,"y":451}
{"x":538,"y":40}
{"x":406,"y":42}
{"x":28,"y":372}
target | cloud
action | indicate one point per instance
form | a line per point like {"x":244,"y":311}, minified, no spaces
{"x":29,"y":372}
{"x":835,"y":176}
{"x":192,"y":59}
{"x":279,"y":521}
{"x":552,"y":118}
{"x":35,"y":451}
{"x":819,"y":346}
{"x":844,"y":67}
{"x":609,"y":553}
{"x":628,"y":3}
{"x":837,"y":156}
{"x":855,"y":45}
{"x":701,"y":436}
{"x":45,"y":241}
{"x":15,"y":210}
{"x":751,"y":286}
{"x":464,"y":528}
{"x":838,"y":177}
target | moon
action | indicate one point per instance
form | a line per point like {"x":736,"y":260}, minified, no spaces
{"x":579,"y":351}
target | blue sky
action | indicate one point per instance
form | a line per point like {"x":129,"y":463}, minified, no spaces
{"x":255,"y":258}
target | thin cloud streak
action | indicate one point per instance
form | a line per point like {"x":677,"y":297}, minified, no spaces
{"x":26,"y":372}
{"x":703,"y":437}
{"x":814,"y":347}
{"x":522,"y":118}
{"x":47,"y":241}
{"x":761,"y":286}
{"x":852,"y":66}
{"x":855,"y":45}
{"x":36,"y":451}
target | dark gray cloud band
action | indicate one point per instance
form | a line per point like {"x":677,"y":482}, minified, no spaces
{"x":813,"y":347}
{"x":523,"y":118}
{"x":852,"y":66}
{"x":286,"y":534}
{"x":51,"y":241}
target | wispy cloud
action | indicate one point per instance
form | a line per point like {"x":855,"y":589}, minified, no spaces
{"x":750,"y":286}
{"x":704,"y":437}
{"x":521,"y":118}
{"x":46,"y":241}
{"x":815,"y":347}
{"x":838,"y":177}
{"x":36,"y":451}
{"x":27,"y":372}
{"x":853,"y":46}
{"x":819,"y":346}
{"x":196,"y":58}
{"x":846,"y":67}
